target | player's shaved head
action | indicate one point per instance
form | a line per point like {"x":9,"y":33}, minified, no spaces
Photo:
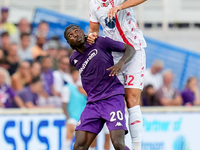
{"x":69,"y":28}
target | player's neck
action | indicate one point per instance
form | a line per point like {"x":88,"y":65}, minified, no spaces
{"x":81,"y":48}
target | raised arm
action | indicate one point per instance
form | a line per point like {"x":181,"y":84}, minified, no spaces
{"x":129,"y":3}
{"x":93,"y":32}
{"x":94,"y":27}
{"x":129,"y":52}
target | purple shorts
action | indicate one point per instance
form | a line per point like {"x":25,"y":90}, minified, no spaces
{"x":110,"y":110}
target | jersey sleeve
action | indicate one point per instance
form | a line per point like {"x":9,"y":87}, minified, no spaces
{"x":111,"y":45}
{"x":93,"y":17}
{"x":65,"y":94}
{"x":71,"y":60}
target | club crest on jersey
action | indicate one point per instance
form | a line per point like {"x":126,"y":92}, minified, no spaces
{"x":110,"y":23}
{"x":91,"y":55}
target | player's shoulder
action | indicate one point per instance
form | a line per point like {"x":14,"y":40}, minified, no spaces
{"x":102,"y":38}
{"x":73,"y":57}
{"x":92,"y":4}
{"x":117,"y":2}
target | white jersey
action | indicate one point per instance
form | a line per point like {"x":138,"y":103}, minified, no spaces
{"x":123,"y":28}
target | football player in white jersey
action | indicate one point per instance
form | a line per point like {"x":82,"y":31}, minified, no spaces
{"x":119,"y":23}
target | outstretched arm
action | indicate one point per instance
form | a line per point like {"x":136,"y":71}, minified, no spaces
{"x":93,"y":32}
{"x":129,"y":52}
{"x":129,"y":3}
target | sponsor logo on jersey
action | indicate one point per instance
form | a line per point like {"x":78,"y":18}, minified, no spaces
{"x":118,"y":124}
{"x":110,"y":23}
{"x":92,"y":54}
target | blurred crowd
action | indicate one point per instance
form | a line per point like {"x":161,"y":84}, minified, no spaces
{"x":35,"y":68}
{"x":159,"y":90}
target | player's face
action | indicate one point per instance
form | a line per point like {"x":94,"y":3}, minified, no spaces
{"x":75,"y":37}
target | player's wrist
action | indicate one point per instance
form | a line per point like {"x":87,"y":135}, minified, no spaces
{"x":122,"y":61}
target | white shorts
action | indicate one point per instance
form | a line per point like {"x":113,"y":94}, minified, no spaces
{"x":132,"y":76}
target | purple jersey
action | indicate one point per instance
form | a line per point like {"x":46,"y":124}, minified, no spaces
{"x":47,"y":81}
{"x":92,"y":65}
{"x":6,"y":95}
{"x":27,"y":96}
{"x":188,"y":97}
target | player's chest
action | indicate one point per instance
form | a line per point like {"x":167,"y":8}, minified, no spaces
{"x":101,"y":12}
{"x":88,"y":60}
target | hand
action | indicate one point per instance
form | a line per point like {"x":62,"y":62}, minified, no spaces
{"x":113,"y":11}
{"x":117,"y":68}
{"x":91,"y":38}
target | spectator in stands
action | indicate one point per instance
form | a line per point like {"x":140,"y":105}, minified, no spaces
{"x":12,"y":58}
{"x":1,"y":54}
{"x":43,"y":27}
{"x":148,"y":96}
{"x":153,"y":75}
{"x":30,"y":93}
{"x":62,"y":75}
{"x":52,"y":51}
{"x":24,"y":50}
{"x":4,"y":65}
{"x":47,"y":76}
{"x":22,"y":77}
{"x":73,"y":103}
{"x":7,"y":95}
{"x":5,"y":41}
{"x":4,"y":25}
{"x":38,"y":49}
{"x":24,"y":26}
{"x":61,"y":53}
{"x":35,"y":69}
{"x":191,"y":93}
{"x":166,"y":94}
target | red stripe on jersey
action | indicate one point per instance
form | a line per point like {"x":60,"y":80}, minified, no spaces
{"x":119,"y":28}
{"x":121,"y":32}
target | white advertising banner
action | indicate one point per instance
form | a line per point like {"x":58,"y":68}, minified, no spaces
{"x":162,"y":131}
{"x":31,"y":132}
{"x":171,"y":131}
